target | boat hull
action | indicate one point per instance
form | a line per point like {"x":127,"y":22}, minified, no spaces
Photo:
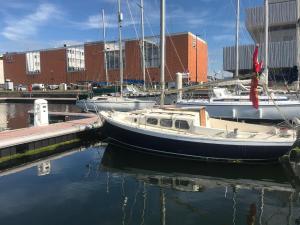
{"x":137,"y":140}
{"x":124,"y":106}
{"x":247,"y":111}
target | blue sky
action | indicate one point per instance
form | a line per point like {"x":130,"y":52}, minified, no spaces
{"x":37,"y":24}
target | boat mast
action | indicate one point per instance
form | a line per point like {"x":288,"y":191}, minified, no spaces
{"x":162,"y":207}
{"x":162,"y":51}
{"x":120,"y":19}
{"x":266,"y":41}
{"x":298,"y":42}
{"x":237,"y":39}
{"x":104,"y":44}
{"x":143,"y":43}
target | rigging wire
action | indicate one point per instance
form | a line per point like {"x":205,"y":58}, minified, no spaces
{"x":137,"y":36}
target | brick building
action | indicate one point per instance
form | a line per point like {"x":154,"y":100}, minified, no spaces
{"x":1,"y":70}
{"x":73,"y":64}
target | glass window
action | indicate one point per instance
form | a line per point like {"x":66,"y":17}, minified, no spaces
{"x":112,"y":55}
{"x":182,"y":124}
{"x":112,"y":59}
{"x":33,"y":62}
{"x":166,"y":122}
{"x":152,"y":57}
{"x":152,"y":121}
{"x":75,"y":59}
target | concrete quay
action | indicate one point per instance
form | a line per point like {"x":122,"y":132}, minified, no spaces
{"x":22,"y":140}
{"x":31,"y":100}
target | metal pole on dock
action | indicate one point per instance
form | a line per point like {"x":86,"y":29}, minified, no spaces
{"x":143,"y":44}
{"x":120,"y":19}
{"x":162,"y":51}
{"x":267,"y":41}
{"x":237,"y":39}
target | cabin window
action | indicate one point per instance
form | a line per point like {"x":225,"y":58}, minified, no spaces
{"x":152,"y":121}
{"x":182,"y":124}
{"x":166,"y":122}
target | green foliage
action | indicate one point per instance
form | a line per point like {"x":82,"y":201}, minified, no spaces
{"x":47,"y":150}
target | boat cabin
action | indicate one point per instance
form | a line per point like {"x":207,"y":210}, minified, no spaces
{"x":171,"y":119}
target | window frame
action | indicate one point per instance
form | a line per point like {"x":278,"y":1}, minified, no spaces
{"x":178,"y":126}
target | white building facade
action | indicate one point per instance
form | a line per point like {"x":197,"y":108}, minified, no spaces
{"x":283,"y":38}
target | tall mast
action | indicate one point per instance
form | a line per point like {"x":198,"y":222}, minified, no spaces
{"x":104,"y":44}
{"x":162,"y":207}
{"x":266,"y":40}
{"x":237,"y":39}
{"x":162,"y":51}
{"x":143,"y":43}
{"x":298,"y":41}
{"x":120,"y":19}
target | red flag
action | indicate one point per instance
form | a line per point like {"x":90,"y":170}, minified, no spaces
{"x":257,"y":67}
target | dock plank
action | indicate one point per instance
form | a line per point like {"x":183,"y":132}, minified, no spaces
{"x":11,"y":138}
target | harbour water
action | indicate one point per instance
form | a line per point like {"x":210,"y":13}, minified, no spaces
{"x":15,"y":115}
{"x":110,"y":185}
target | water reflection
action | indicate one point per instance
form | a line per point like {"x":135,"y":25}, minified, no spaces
{"x":261,"y":194}
{"x":111,"y":185}
{"x":15,"y":115}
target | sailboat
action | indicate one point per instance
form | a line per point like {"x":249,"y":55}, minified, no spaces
{"x":183,"y":133}
{"x":227,"y":105}
{"x":118,"y":103}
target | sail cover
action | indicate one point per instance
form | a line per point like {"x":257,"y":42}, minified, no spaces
{"x":257,"y":68}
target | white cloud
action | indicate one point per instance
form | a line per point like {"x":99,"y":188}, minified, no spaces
{"x":111,"y":21}
{"x":26,"y":27}
{"x":95,"y":22}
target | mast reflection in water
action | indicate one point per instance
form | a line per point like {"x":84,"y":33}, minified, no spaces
{"x":111,"y":185}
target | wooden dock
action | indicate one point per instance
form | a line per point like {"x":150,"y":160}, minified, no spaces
{"x":21,"y":140}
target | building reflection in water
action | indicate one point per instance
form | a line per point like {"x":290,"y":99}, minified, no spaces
{"x":275,"y":195}
{"x":3,"y":117}
{"x":44,"y":168}
{"x":15,"y":115}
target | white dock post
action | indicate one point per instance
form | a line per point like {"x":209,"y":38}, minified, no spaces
{"x":179,"y":86}
{"x":41,"y":112}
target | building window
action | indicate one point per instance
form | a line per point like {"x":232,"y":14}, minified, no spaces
{"x":75,"y":59}
{"x":112,"y":55}
{"x":152,"y":56}
{"x":33,"y":62}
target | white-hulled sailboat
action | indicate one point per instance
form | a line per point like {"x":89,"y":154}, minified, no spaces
{"x":224,"y":104}
{"x":118,"y":103}
{"x":181,"y":133}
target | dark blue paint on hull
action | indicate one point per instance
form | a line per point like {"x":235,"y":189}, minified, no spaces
{"x":177,"y":148}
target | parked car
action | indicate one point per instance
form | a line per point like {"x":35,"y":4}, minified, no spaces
{"x":38,"y":86}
